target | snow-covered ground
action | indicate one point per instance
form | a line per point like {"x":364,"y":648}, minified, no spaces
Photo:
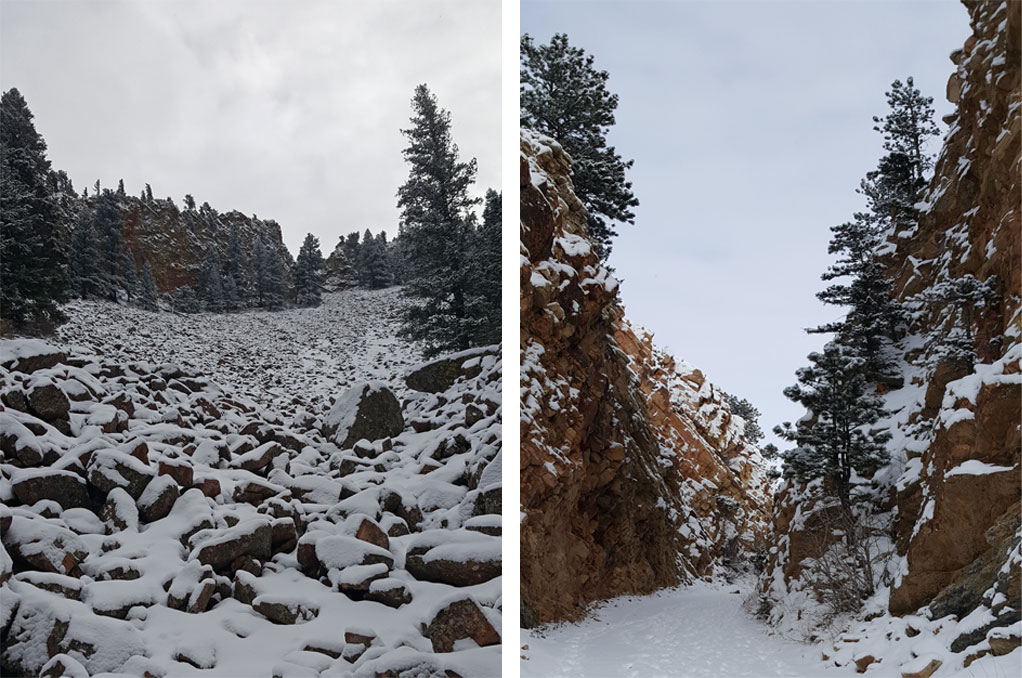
{"x":155,"y":521}
{"x":281,"y":359}
{"x":704,"y":630}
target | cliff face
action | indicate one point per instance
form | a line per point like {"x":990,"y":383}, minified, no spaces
{"x":964,"y":483}
{"x":633,"y":473}
{"x":176,"y":242}
{"x":949,"y":499}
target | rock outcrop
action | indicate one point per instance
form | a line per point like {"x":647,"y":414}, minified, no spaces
{"x":950,"y":496}
{"x":634,"y":476}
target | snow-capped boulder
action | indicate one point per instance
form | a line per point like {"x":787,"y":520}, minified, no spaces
{"x":457,"y":620}
{"x":110,"y":468}
{"x":44,"y":546}
{"x":368,"y":410}
{"x":49,"y":402}
{"x":64,"y":487}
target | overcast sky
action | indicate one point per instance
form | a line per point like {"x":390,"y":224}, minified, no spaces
{"x":288,"y":110}
{"x":751,"y":125}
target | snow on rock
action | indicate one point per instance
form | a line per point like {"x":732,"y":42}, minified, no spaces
{"x":946,"y":507}
{"x":167,"y":527}
{"x":634,"y":475}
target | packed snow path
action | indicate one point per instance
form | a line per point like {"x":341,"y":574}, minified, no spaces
{"x":689,"y":632}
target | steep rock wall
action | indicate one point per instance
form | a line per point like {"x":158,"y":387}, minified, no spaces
{"x":633,"y":473}
{"x":949,"y":499}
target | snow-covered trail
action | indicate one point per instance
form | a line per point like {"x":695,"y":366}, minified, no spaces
{"x":690,"y":632}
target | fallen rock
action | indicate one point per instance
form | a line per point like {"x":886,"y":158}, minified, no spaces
{"x":391,"y":592}
{"x":862,"y":663}
{"x":109,"y":469}
{"x":49,"y":402}
{"x":29,"y":355}
{"x":219,"y":548}
{"x":460,"y":619}
{"x":281,"y":610}
{"x":368,"y":410}
{"x":924,"y":672}
{"x":43,"y":546}
{"x":158,"y":499}
{"x":368,"y":531}
{"x":64,"y":487}
{"x":119,"y":512}
{"x":63,"y":666}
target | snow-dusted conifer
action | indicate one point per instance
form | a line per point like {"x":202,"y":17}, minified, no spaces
{"x":147,"y":297}
{"x":106,"y":219}
{"x":33,"y":248}
{"x":744,"y":409}
{"x":435,"y":226}
{"x":564,"y":96}
{"x":129,"y":276}
{"x":269,"y":275}
{"x":484,"y":267}
{"x":211,"y":282}
{"x":84,"y":271}
{"x":308,"y":273}
{"x":836,"y":439}
{"x":873,"y":315}
{"x":236,"y":270}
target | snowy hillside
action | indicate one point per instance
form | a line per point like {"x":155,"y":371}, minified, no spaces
{"x":158,"y":518}
{"x":284,"y":360}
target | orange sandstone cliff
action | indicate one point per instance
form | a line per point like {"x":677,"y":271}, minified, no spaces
{"x":634,"y":474}
{"x":951,"y":493}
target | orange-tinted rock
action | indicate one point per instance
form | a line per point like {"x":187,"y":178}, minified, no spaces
{"x":609,"y":443}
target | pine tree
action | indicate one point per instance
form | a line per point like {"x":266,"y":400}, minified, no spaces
{"x":744,"y":409}
{"x":106,"y":220}
{"x":564,"y":96}
{"x":129,"y":276}
{"x":236,"y":269}
{"x":148,"y":193}
{"x":269,"y":275}
{"x":435,"y":227}
{"x":308,"y":273}
{"x":211,"y":287}
{"x":184,"y":300}
{"x":373,"y":264}
{"x":484,"y":267}
{"x":837,"y":439}
{"x":873,"y":315}
{"x":120,"y":189}
{"x":84,"y":273}
{"x":893,"y":189}
{"x":189,"y":202}
{"x":958,"y":300}
{"x":33,"y":252}
{"x":147,"y":297}
{"x":396,"y":260}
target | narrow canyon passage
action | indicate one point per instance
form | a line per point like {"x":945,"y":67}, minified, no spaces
{"x":693,"y":631}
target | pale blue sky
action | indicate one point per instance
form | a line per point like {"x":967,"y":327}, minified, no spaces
{"x":750,"y":124}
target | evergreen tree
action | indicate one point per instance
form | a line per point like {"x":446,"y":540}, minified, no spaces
{"x":435,"y":228}
{"x":958,"y":300}
{"x":129,"y":276}
{"x":269,"y":275}
{"x":744,"y":409}
{"x":396,"y":261}
{"x":120,"y":189}
{"x":189,"y":202}
{"x":873,"y":316}
{"x":564,"y":96}
{"x":106,"y":220}
{"x":236,"y":269}
{"x":211,"y":288}
{"x":907,"y":126}
{"x":340,"y":274}
{"x":309,"y":272}
{"x":148,"y":193}
{"x":184,"y":300}
{"x":84,"y":272}
{"x":373,"y":263}
{"x":837,"y":439}
{"x":33,"y":252}
{"x":147,"y":297}
{"x":484,"y":267}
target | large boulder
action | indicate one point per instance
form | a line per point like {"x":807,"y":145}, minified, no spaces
{"x":441,"y":374}
{"x":219,"y":548}
{"x":49,"y":402}
{"x":367,"y":410}
{"x":41,"y":545}
{"x":29,"y":355}
{"x":64,"y":487}
{"x":460,"y":619}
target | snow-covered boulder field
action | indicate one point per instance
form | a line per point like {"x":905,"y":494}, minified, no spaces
{"x":157,"y":523}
